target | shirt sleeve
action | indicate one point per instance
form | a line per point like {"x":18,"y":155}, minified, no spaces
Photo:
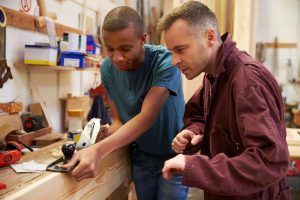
{"x":106,"y":76}
{"x":264,"y":160}
{"x":194,"y":113}
{"x":167,"y":75}
{"x":194,"y":118}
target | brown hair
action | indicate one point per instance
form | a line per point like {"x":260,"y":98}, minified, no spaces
{"x":196,"y":14}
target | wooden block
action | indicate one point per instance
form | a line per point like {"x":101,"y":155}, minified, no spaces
{"x":27,"y":138}
{"x":12,"y":119}
{"x":4,"y":130}
{"x":48,"y":139}
{"x":36,"y":109}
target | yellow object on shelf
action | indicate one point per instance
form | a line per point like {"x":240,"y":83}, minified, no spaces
{"x":75,"y":113}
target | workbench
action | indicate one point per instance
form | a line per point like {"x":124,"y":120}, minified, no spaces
{"x":293,"y":141}
{"x":111,"y":182}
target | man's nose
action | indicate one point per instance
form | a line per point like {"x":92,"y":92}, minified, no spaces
{"x":175,"y":60}
{"x":117,"y":56}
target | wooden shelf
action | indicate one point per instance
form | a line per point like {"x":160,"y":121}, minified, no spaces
{"x":25,"y":21}
{"x":56,"y":68}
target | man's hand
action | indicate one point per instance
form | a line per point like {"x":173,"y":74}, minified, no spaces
{"x":85,"y":162}
{"x":183,"y":139}
{"x":174,"y":165}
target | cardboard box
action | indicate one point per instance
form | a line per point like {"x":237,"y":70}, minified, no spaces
{"x":40,"y":55}
{"x":12,"y":107}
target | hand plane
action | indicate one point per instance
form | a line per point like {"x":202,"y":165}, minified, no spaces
{"x":68,"y":151}
{"x":89,"y":134}
{"x":88,"y":137}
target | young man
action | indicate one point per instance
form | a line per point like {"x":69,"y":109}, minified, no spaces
{"x":236,"y":117}
{"x":147,"y":106}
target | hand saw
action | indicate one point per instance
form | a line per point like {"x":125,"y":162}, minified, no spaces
{"x":5,"y":72}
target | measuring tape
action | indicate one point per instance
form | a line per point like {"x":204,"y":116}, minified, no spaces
{"x":2,"y":17}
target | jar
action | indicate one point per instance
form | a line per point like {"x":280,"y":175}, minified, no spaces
{"x":75,"y":124}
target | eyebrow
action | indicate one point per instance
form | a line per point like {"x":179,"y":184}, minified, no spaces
{"x":122,"y":46}
{"x":180,"y":46}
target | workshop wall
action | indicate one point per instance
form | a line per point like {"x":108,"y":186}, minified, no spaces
{"x":44,"y":85}
{"x":53,"y":86}
{"x":48,"y":86}
{"x":281,"y":19}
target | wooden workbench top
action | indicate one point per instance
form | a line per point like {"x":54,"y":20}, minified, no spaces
{"x":113,"y":171}
{"x":293,"y":140}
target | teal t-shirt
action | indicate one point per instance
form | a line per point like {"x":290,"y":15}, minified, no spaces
{"x":128,"y":90}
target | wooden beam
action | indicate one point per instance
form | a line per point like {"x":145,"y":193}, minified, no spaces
{"x":27,"y":22}
{"x":280,"y":45}
{"x":19,"y":19}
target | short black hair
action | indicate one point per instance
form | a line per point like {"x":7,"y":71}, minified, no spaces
{"x":123,"y":17}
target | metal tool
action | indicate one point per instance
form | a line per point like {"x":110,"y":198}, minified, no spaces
{"x":89,"y":134}
{"x":57,"y":166}
{"x":5,"y":72}
{"x":87,"y":138}
{"x":10,"y":153}
{"x":9,"y":157}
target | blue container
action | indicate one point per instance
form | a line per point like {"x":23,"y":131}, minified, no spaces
{"x":90,"y":44}
{"x":72,"y":59}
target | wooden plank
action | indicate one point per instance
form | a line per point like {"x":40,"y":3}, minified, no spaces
{"x":19,"y":19}
{"x":112,"y":172}
{"x":41,"y":101}
{"x":244,"y":25}
{"x":27,"y":22}
{"x":48,"y":139}
{"x":55,"y":68}
{"x":27,"y":138}
{"x":280,"y":45}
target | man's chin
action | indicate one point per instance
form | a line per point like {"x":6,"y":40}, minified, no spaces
{"x":122,"y":67}
{"x":188,"y":76}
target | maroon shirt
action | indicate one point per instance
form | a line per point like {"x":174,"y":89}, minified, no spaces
{"x":241,"y":115}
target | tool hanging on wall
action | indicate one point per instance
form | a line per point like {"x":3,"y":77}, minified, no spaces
{"x":5,"y":72}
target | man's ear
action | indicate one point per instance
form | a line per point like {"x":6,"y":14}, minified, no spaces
{"x":143,"y":39}
{"x":211,"y":37}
